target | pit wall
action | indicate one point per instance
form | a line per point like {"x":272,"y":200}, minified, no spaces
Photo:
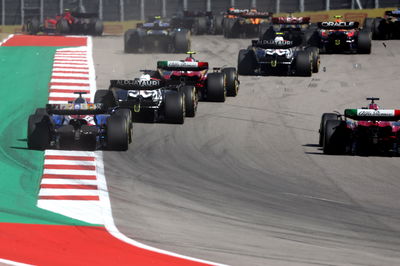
{"x":118,"y":28}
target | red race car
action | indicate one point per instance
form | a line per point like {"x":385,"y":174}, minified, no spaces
{"x":67,"y":23}
{"x":211,"y":86}
{"x":369,"y":130}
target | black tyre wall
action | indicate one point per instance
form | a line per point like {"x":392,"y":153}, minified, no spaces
{"x":106,"y":97}
{"x":132,"y":41}
{"x":324,"y":118}
{"x":231,"y":81}
{"x":303,"y":64}
{"x":246,"y":62}
{"x":364,"y":42}
{"x":191,"y":100}
{"x":117,"y":133}
{"x":216,"y":90}
{"x":174,"y":108}
{"x":182,"y":41}
{"x":335,"y":137}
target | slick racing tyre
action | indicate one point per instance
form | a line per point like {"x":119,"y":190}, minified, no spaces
{"x":174,"y":108}
{"x":32,"y":27}
{"x":229,"y":27}
{"x":117,"y":133}
{"x":106,"y":97}
{"x":62,"y":26}
{"x":182,"y":41}
{"x":216,"y":90}
{"x":66,"y":140}
{"x":303,"y":64}
{"x":325,"y":117}
{"x":191,"y":100}
{"x":200,"y":26}
{"x":364,"y":42}
{"x":232,"y":84}
{"x":246,"y":62}
{"x":315,"y":58}
{"x":96,"y":27}
{"x":127,"y":113}
{"x":334,"y":137}
{"x":39,"y":132}
{"x":217,"y":24}
{"x":132,"y":41}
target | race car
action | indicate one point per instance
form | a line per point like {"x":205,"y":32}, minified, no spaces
{"x":210,"y":86}
{"x":293,"y":27}
{"x":198,"y":22}
{"x":278,"y":56}
{"x":385,"y":28}
{"x":369,"y":130}
{"x":147,"y":96}
{"x":156,"y":35}
{"x":244,"y":22}
{"x":79,"y":126}
{"x":67,"y":23}
{"x":340,"y":36}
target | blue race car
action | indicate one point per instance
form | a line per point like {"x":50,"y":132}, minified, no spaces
{"x":79,"y":126}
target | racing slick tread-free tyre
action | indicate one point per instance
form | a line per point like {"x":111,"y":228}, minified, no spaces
{"x":33,"y":26}
{"x":62,"y":27}
{"x":200,"y":25}
{"x":182,"y":41}
{"x":216,"y":90}
{"x":229,"y":26}
{"x":127,"y":113}
{"x":38,"y":132}
{"x":117,"y":133}
{"x":314,"y":51}
{"x":97,"y":27}
{"x":303,"y":64}
{"x":191,"y":100}
{"x":174,"y":108}
{"x":232,"y":85}
{"x":325,"y":117}
{"x":246,"y":62}
{"x":131,"y":41}
{"x":334,"y":137}
{"x":217,"y":24}
{"x":364,"y":42}
{"x":106,"y":97}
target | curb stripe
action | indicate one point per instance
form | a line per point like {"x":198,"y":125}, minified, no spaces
{"x":69,"y":77}
{"x":57,"y":176}
{"x":73,"y":158}
{"x":70,"y":197}
{"x":71,"y":67}
{"x":71,"y":72}
{"x":68,"y":186}
{"x":70,"y":167}
{"x":69,"y":84}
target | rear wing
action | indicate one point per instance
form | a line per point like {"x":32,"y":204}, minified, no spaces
{"x":393,"y":13}
{"x":256,"y":15}
{"x":330,"y":25}
{"x":182,"y":65}
{"x":371,"y":114}
{"x":291,"y":20}
{"x":272,"y":44}
{"x":137,"y":84}
{"x":76,"y":109}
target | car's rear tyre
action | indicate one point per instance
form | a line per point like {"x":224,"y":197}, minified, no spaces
{"x":303,"y":64}
{"x":182,"y":41}
{"x":66,"y":140}
{"x":62,"y":26}
{"x":325,"y":117}
{"x":132,"y":41}
{"x":232,"y":84}
{"x":246,"y":62}
{"x":32,"y":26}
{"x":97,"y":27}
{"x":216,"y":90}
{"x":200,"y":26}
{"x":229,"y":26}
{"x":191,"y":100}
{"x":117,"y":133}
{"x":217,"y":24}
{"x":334,"y":137}
{"x":174,"y":108}
{"x":127,"y":113}
{"x":314,"y":51}
{"x":38,"y":132}
{"x":106,"y":97}
{"x":364,"y":42}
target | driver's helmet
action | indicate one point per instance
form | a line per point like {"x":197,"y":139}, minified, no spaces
{"x":79,"y":100}
{"x":279,"y":38}
{"x":144,"y":77}
{"x":373,"y":106}
{"x":338,"y":18}
{"x":190,"y":59}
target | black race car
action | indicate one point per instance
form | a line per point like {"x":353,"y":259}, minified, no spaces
{"x":278,"y":56}
{"x":198,"y":22}
{"x":244,"y":22}
{"x":384,"y":28}
{"x":340,"y":36}
{"x":157,"y":35}
{"x":152,"y":97}
{"x":79,"y":125}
